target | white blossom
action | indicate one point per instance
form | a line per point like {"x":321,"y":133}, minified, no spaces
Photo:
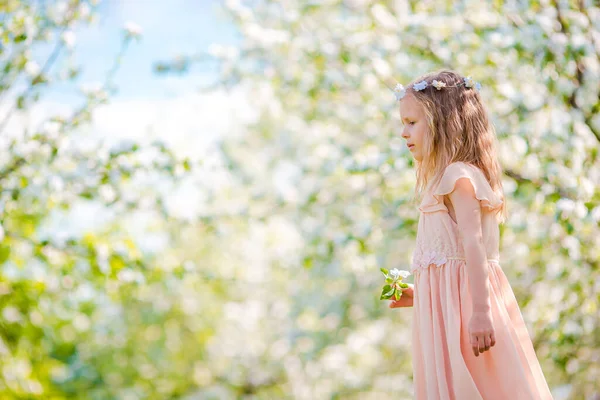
{"x":11,"y":314}
{"x":399,"y":92}
{"x":438,"y":84}
{"x":396,"y":273}
{"x":420,"y":85}
{"x":132,"y":30}
{"x":32,"y":68}
{"x":596,"y":214}
{"x":68,"y":38}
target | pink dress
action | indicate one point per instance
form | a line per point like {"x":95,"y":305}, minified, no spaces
{"x":444,"y":365}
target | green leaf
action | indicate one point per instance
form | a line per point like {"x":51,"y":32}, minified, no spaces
{"x":385,"y":292}
{"x":398,"y":294}
{"x":39,"y":79}
{"x":385,"y":271}
{"x":21,"y":102}
{"x":403,"y":285}
{"x":389,"y":280}
{"x":4,"y":254}
{"x":389,"y":293}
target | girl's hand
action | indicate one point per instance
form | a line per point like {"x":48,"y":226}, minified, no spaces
{"x":406,"y":300}
{"x":481,"y":332}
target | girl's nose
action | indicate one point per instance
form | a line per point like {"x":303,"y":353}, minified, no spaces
{"x":405,"y":134}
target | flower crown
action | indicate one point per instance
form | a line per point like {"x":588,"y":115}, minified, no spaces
{"x":468,"y":82}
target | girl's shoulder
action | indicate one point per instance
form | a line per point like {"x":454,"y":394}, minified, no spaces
{"x":433,"y":201}
{"x":461,"y":168}
{"x":457,"y":170}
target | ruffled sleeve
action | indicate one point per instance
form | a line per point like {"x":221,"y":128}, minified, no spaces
{"x":433,"y":200}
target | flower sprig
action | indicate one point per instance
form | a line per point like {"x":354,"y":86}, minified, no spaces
{"x":393,"y":283}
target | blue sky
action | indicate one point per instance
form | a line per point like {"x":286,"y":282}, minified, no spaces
{"x":170,"y":28}
{"x":148,"y":106}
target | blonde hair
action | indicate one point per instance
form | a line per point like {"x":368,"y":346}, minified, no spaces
{"x":459,"y":131}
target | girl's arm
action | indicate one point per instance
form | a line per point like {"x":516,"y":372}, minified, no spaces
{"x":468,"y":218}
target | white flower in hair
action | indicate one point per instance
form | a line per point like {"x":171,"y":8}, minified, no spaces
{"x":399,"y":92}
{"x":469,"y":82}
{"x":420,"y":86}
{"x":477,"y":86}
{"x":438,"y":84}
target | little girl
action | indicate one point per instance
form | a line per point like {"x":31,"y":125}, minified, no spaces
{"x":469,"y":338}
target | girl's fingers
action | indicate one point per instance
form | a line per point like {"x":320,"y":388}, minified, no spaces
{"x":399,"y":303}
{"x":492,"y":339}
{"x":488,"y":342}
{"x":405,"y":301}
{"x":481,"y":341}
{"x":475,"y":345}
{"x":478,"y":342}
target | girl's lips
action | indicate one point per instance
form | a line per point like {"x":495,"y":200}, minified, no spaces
{"x":410,"y":146}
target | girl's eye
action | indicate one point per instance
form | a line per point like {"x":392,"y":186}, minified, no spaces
{"x":411,"y":122}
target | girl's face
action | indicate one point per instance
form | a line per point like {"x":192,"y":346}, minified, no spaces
{"x":415,"y":125}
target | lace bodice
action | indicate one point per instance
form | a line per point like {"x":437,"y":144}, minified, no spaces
{"x":438,"y":236}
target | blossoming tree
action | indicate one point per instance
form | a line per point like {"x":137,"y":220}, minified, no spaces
{"x":322,"y":184}
{"x":66,"y":298}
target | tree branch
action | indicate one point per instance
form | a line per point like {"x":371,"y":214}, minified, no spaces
{"x":47,"y":65}
{"x":579,"y":73}
{"x":15,"y":165}
{"x":522,"y":180}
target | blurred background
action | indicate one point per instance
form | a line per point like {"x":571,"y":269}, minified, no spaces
{"x":196,"y":196}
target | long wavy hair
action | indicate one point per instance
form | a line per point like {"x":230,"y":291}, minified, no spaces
{"x":459,"y":130}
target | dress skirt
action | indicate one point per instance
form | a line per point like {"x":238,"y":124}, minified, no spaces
{"x":444,"y":365}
